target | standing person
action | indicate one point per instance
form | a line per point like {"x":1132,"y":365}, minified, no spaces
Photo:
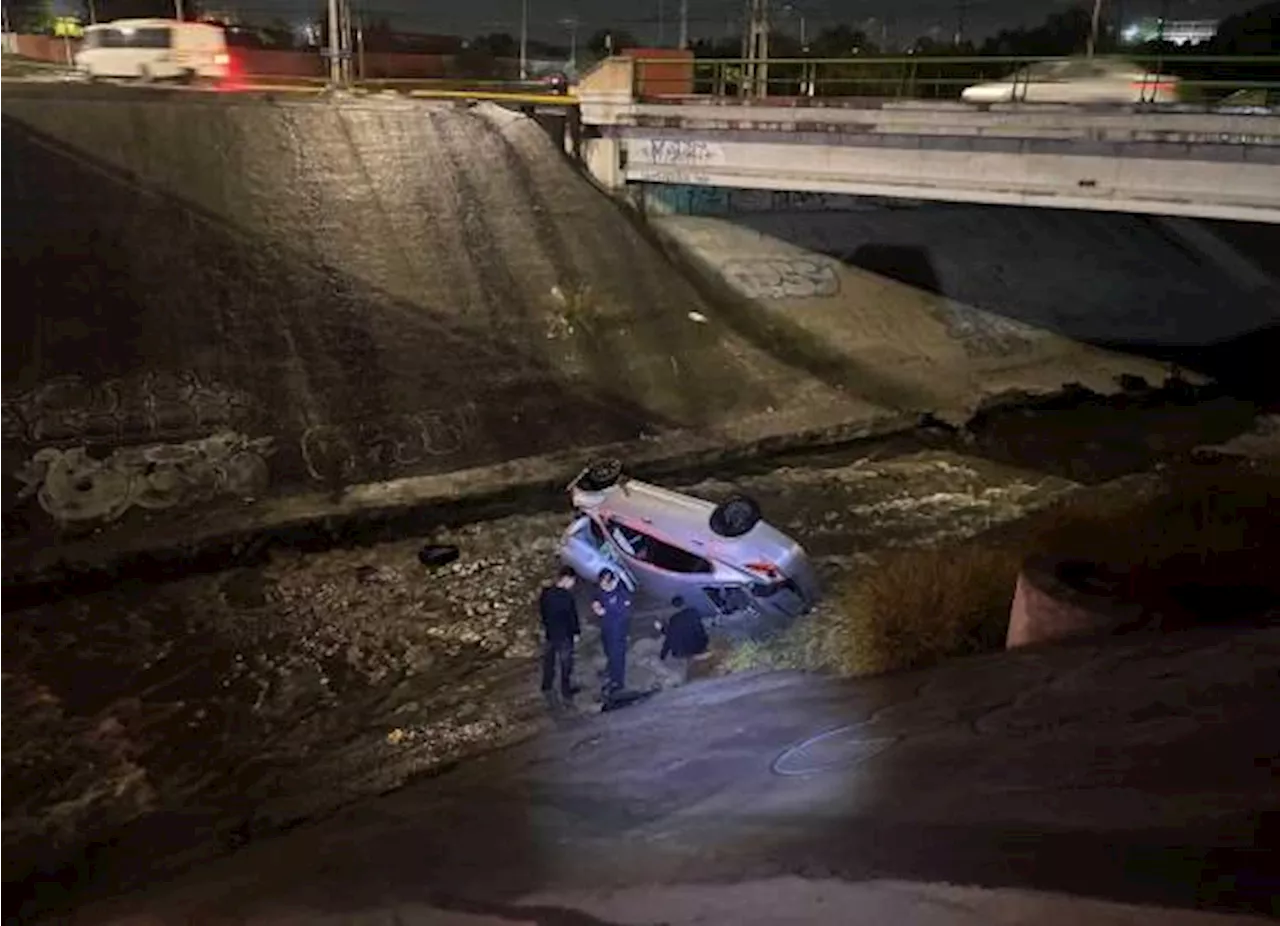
{"x":612,"y":605}
{"x":561,"y":629}
{"x":683,"y":638}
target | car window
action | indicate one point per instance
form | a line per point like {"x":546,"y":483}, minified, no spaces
{"x":129,"y":38}
{"x":597,"y":533}
{"x":1076,"y":69}
{"x":1043,"y":70}
{"x":659,"y":553}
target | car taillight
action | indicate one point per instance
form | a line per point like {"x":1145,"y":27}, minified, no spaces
{"x":768,"y":570}
{"x":1158,"y":86}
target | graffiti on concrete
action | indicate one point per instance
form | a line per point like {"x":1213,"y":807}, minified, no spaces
{"x":164,"y":406}
{"x":669,"y":175}
{"x":682,"y":151}
{"x":71,"y":485}
{"x":687,"y":200}
{"x":334,"y":452}
{"x":983,"y":334}
{"x":783,"y":277}
{"x":793,"y":201}
{"x":703,"y":200}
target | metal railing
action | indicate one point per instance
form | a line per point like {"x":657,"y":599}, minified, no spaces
{"x":1206,"y":79}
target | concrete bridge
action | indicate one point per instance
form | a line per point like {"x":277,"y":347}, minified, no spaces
{"x":1174,"y":161}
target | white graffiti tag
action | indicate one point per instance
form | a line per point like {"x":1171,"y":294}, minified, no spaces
{"x":73,"y":486}
{"x":783,"y":277}
{"x":379,"y":448}
{"x":682,"y":151}
{"x":155,"y":406}
{"x":984,"y":334}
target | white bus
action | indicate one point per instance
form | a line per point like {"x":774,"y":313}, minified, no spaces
{"x":154,"y":49}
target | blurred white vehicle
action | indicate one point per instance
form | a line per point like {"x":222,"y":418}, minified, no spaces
{"x":1077,"y":80}
{"x":154,"y":49}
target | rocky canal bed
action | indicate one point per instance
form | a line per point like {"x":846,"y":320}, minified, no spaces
{"x":154,"y":724}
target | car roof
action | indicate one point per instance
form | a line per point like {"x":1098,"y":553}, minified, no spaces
{"x":154,"y":23}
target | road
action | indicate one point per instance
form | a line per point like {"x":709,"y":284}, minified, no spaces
{"x":1142,"y":772}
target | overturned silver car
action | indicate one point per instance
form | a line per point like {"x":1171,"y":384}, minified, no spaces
{"x":723,"y":559}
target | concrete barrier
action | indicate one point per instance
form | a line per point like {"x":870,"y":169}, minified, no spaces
{"x":1053,"y":600}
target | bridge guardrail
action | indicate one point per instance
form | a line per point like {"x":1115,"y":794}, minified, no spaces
{"x":1202,"y":79}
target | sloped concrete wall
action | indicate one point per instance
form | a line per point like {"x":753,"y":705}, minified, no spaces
{"x":378,"y":288}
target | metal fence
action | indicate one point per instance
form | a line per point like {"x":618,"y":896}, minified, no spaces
{"x":1200,"y":78}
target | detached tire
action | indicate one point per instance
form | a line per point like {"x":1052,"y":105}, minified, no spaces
{"x":601,"y":474}
{"x":436,"y":555}
{"x":735,"y":516}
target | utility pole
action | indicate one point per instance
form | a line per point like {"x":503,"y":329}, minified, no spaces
{"x":360,"y":71}
{"x":662,"y":25}
{"x":757,"y":48}
{"x":178,"y":12}
{"x":335,"y":36}
{"x":960,"y":11}
{"x":1093,"y":28}
{"x":347,"y":62}
{"x":684,"y":24}
{"x":524,"y":39}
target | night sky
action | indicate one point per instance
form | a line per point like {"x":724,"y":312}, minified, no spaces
{"x":907,"y":19}
{"x":651,"y":20}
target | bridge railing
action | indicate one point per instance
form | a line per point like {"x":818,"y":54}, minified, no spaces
{"x":1202,"y":79}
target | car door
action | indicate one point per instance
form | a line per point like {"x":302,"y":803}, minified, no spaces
{"x":1071,"y":82}
{"x":587,"y":550}
{"x":1040,"y":83}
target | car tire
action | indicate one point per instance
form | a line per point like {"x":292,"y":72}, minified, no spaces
{"x":601,"y":474}
{"x":735,"y":516}
{"x":436,"y":555}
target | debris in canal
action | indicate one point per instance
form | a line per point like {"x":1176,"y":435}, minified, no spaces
{"x":307,"y":679}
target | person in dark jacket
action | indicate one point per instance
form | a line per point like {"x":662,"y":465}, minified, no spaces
{"x":612,"y":605}
{"x":561,"y":629}
{"x":683,"y":638}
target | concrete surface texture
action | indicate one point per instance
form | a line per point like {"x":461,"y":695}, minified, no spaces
{"x":904,"y":345}
{"x":1133,"y":281}
{"x":381,"y":288}
{"x":993,"y":789}
{"x":240,"y":296}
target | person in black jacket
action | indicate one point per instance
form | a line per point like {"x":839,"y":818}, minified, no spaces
{"x":683,"y":637}
{"x":561,"y":629}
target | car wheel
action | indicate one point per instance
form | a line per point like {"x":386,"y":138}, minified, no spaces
{"x":735,"y":516}
{"x":438,"y":554}
{"x":602,"y":474}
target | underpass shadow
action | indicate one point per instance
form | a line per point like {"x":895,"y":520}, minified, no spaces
{"x":1210,"y":303}
{"x":904,"y":263}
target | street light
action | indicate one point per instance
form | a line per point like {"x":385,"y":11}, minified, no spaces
{"x":571,"y":23}
{"x":796,"y":11}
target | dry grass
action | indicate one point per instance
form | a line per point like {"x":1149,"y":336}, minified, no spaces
{"x":1202,"y":544}
{"x":911,"y":609}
